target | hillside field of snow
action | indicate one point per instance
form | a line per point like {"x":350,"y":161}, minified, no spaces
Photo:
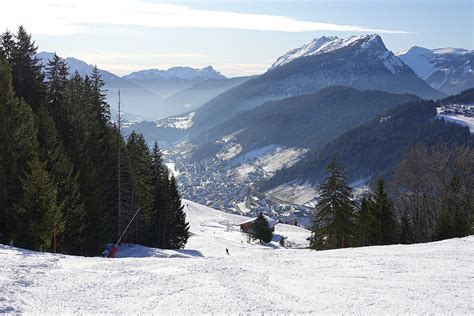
{"x":434,"y":278}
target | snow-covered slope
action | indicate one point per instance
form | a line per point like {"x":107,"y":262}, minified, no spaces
{"x":449,"y":70}
{"x":434,"y":278}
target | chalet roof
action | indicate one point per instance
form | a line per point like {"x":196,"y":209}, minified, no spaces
{"x":271,"y":221}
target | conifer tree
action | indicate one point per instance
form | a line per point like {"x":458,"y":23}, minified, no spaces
{"x":139,"y":161}
{"x":5,"y":97}
{"x":37,"y":209}
{"x":179,"y":228}
{"x":159,"y":180}
{"x":261,"y":229}
{"x":333,"y":223}
{"x":27,"y":70}
{"x":7,"y":46}
{"x":383,"y":224}
{"x":19,"y":147}
{"x":62,"y":174}
{"x":56,"y":81}
{"x":363,"y":222}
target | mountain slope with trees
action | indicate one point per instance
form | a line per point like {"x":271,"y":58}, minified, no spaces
{"x":308,"y":121}
{"x":377,"y":146}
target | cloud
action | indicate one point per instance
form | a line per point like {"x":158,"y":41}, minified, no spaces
{"x":53,"y":17}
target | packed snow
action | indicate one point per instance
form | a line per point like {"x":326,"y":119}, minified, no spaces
{"x":433,"y":278}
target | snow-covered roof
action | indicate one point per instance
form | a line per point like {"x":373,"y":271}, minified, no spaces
{"x":271,"y":221}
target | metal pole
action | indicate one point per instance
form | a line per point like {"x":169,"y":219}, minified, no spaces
{"x":125,"y":230}
{"x":119,"y":119}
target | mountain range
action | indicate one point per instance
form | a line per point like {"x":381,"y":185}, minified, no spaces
{"x":361,"y":62}
{"x":153,"y":94}
{"x":449,"y":70}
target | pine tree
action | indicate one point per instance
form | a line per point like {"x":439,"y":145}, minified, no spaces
{"x":261,"y":229}
{"x":159,"y":179}
{"x":38,"y":210}
{"x":62,"y":174}
{"x":139,"y":161}
{"x":364,"y":220}
{"x":179,"y":228}
{"x":333,"y":223}
{"x":18,"y":148}
{"x":57,"y":78}
{"x":5,"y":96}
{"x":27,"y":70}
{"x":7,"y":46}
{"x":384,"y":226}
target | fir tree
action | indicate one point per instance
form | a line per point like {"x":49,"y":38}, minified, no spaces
{"x":139,"y":161}
{"x":18,"y":148}
{"x":62,"y":174}
{"x":38,"y":210}
{"x":332,"y":225}
{"x":57,"y":77}
{"x":179,"y":228}
{"x":383,"y":224}
{"x":7,"y":46}
{"x":261,"y":229}
{"x":159,"y":178}
{"x":363,"y":222}
{"x":27,"y":70}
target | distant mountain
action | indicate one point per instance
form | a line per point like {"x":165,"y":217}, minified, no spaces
{"x":137,"y":102}
{"x":307,"y":121}
{"x":168,"y":82}
{"x":190,"y":99}
{"x":377,"y":146}
{"x":449,"y":70}
{"x":186,"y":73}
{"x":361,"y":62}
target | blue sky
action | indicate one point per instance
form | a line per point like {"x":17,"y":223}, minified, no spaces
{"x":236,"y":37}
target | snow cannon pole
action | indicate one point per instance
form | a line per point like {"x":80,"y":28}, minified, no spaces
{"x":114,"y":248}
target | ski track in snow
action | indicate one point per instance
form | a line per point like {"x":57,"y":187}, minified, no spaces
{"x":423,"y":279}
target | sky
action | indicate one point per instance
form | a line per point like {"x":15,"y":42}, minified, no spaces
{"x":240,"y":37}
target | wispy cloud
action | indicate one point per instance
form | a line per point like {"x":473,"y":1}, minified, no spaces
{"x":54,"y":17}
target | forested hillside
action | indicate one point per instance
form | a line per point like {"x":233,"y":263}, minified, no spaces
{"x":377,"y":146}
{"x":307,"y":121}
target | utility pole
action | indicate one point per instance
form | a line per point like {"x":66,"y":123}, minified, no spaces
{"x":119,"y":193}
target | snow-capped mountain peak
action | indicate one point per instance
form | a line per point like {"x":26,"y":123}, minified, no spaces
{"x":179,"y":72}
{"x":447,"y":69}
{"x":371,"y":44}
